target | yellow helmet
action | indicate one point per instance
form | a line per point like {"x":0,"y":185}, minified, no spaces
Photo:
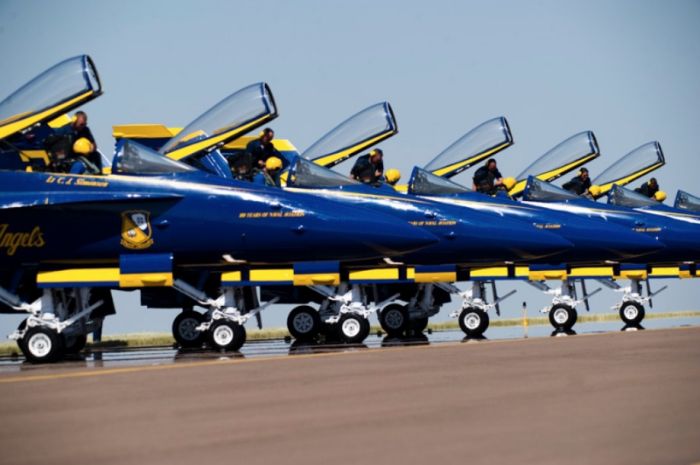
{"x":509,"y":182}
{"x":660,"y":196}
{"x":392,"y":175}
{"x":82,"y":146}
{"x":594,"y":190}
{"x":273,"y":163}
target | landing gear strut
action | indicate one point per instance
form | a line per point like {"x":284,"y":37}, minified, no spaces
{"x":631,"y":308}
{"x":562,"y":311}
{"x":473,"y":316}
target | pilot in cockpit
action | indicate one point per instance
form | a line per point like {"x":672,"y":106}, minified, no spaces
{"x":261,"y":149}
{"x":580,"y":183}
{"x":649,"y":189}
{"x":369,"y":168}
{"x":488,"y":179}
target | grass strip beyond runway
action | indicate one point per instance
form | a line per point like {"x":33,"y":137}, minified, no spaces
{"x":166,"y":339}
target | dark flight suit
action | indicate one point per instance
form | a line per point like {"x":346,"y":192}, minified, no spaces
{"x":364,"y":170}
{"x":260,"y":151}
{"x":647,"y":190}
{"x":577,"y":185}
{"x":484,"y":180}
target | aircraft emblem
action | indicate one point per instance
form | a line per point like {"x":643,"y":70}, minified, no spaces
{"x":136,"y":229}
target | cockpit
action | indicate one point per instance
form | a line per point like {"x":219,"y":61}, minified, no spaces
{"x":135,"y":159}
{"x":359,"y":132}
{"x":482,"y":142}
{"x":687,"y":201}
{"x":423,"y":182}
{"x":563,"y":158}
{"x":306,"y":173}
{"x":623,"y":197}
{"x":540,"y":191}
{"x":637,"y":163}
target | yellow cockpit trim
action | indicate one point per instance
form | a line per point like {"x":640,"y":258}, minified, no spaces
{"x":554,"y":173}
{"x":443,"y":172}
{"x":18,"y":125}
{"x":337,"y":157}
{"x":184,"y":152}
{"x":605,"y":188}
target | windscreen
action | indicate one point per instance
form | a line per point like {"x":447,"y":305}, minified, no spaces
{"x":486,"y":139}
{"x":687,"y":201}
{"x":238,"y":109}
{"x":628,"y":198}
{"x":364,"y":126}
{"x":305,"y":173}
{"x":542,"y":191}
{"x":134,"y":158}
{"x":425,"y":183}
{"x":576,"y":147}
{"x":637,"y":162}
{"x":60,"y":83}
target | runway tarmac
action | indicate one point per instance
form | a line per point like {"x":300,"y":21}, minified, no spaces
{"x":618,"y":397}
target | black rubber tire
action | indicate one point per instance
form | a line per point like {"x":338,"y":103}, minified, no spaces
{"x":394,"y":319}
{"x":236,"y":333}
{"x":557,"y":311}
{"x":42,"y":337}
{"x":418,"y":325}
{"x":308,"y":328}
{"x":474,"y":322}
{"x":183,"y":329}
{"x":352,"y":329}
{"x":20,"y":327}
{"x":74,"y":344}
{"x":631,"y":319}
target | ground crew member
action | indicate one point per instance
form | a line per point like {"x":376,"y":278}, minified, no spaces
{"x":270,"y":174}
{"x":648,"y":189}
{"x":392,"y":176}
{"x":580,"y":183}
{"x":261,"y":149}
{"x":369,"y":168}
{"x":488,"y":179}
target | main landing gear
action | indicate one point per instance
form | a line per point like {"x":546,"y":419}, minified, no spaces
{"x":58,"y":322}
{"x":222,"y":326}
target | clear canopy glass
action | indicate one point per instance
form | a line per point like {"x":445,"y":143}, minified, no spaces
{"x":305,"y":173}
{"x":574,"y":148}
{"x":134,"y":158}
{"x":624,"y":197}
{"x":484,"y":138}
{"x":238,"y":109}
{"x":58,"y":84}
{"x":361,"y":127}
{"x":638,"y":160}
{"x":687,"y":201}
{"x":425,"y":183}
{"x":541,"y":191}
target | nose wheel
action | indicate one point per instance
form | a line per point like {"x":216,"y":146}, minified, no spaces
{"x":42,"y":345}
{"x":474,"y":322}
{"x":352,"y":328}
{"x":226,"y":335}
{"x":632,"y":313}
{"x":562,"y":317}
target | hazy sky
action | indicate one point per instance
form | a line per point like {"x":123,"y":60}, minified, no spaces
{"x":627,"y":70}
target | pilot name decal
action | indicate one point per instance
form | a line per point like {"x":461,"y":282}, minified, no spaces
{"x":290,"y":214}
{"x":136,"y":230}
{"x":76,"y":181}
{"x":433,"y":223}
{"x":547,"y":225}
{"x":13,"y":240}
